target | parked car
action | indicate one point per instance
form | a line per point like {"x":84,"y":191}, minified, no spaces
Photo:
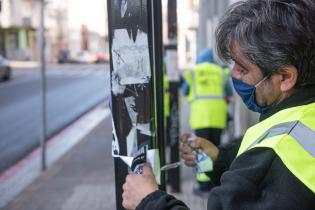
{"x":64,"y":56}
{"x":101,"y":58}
{"x":82,"y":57}
{"x":5,"y":69}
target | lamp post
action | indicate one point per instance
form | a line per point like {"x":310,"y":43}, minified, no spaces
{"x":43,"y":87}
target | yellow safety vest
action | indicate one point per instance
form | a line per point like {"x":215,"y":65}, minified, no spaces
{"x":166,"y":86}
{"x":291,"y":134}
{"x":206,"y":96}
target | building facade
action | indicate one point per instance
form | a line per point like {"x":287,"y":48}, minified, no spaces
{"x":19,"y":28}
{"x":17,"y":32}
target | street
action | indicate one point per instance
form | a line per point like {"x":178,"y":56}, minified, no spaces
{"x":72,"y":90}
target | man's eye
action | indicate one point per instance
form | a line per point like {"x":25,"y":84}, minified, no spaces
{"x":241,"y":70}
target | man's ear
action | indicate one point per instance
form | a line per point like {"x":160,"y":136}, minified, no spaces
{"x":288,"y":78}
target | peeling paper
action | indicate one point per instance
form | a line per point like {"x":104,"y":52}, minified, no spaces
{"x":131,"y":60}
{"x":123,"y":7}
{"x":130,"y":105}
{"x":115,"y":144}
{"x":128,"y":160}
{"x":144,"y":129}
{"x":132,"y":137}
{"x":152,"y":158}
{"x":117,"y":88}
{"x":132,"y":142}
{"x":132,"y":146}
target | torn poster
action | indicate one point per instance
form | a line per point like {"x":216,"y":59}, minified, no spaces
{"x":131,"y":81}
{"x":123,"y":7}
{"x":144,"y":155}
{"x":131,"y":61}
{"x":115,"y":144}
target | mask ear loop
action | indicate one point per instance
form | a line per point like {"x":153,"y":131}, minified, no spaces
{"x":263,"y":79}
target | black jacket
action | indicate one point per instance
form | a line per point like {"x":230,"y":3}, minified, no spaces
{"x":257,"y":179}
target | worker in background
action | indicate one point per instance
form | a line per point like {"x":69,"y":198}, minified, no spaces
{"x":167,"y":106}
{"x":205,"y":87}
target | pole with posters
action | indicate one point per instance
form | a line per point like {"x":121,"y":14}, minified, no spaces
{"x":135,"y":42}
{"x":174,"y":78}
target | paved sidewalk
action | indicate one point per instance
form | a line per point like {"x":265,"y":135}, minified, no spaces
{"x":83,"y":179}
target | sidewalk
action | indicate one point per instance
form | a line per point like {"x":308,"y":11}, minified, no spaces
{"x":83,"y":179}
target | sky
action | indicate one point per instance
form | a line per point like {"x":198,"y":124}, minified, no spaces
{"x":93,"y":13}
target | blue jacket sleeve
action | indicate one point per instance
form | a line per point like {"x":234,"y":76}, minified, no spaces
{"x":185,"y":88}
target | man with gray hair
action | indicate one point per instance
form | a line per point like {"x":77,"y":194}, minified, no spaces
{"x":272,"y":44}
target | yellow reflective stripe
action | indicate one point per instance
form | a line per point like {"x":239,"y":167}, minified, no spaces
{"x":300,"y":132}
{"x":208,"y":97}
{"x":286,"y":115}
{"x":297,"y":160}
{"x":270,"y":142}
{"x":305,"y":136}
{"x":291,"y":135}
{"x":275,"y":130}
{"x":294,"y":157}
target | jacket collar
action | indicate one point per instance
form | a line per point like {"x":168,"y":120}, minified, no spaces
{"x":301,"y":96}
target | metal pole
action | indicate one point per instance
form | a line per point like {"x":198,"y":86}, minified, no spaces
{"x":157,"y":44}
{"x":135,"y":43}
{"x":173,"y":76}
{"x":43,"y":88}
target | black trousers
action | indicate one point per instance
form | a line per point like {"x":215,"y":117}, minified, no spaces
{"x":212,"y":134}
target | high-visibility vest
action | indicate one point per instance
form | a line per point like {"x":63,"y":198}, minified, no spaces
{"x":291,"y":134}
{"x":202,"y":177}
{"x":166,"y":86}
{"x":206,"y":96}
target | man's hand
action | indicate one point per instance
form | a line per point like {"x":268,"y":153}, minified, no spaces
{"x":187,"y":147}
{"x":137,"y":187}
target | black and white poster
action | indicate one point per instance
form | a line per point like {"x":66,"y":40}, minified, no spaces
{"x":131,"y":78}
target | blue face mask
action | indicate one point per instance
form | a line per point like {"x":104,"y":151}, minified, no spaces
{"x":247,"y":93}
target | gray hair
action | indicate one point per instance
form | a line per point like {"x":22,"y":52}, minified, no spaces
{"x":271,"y":34}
